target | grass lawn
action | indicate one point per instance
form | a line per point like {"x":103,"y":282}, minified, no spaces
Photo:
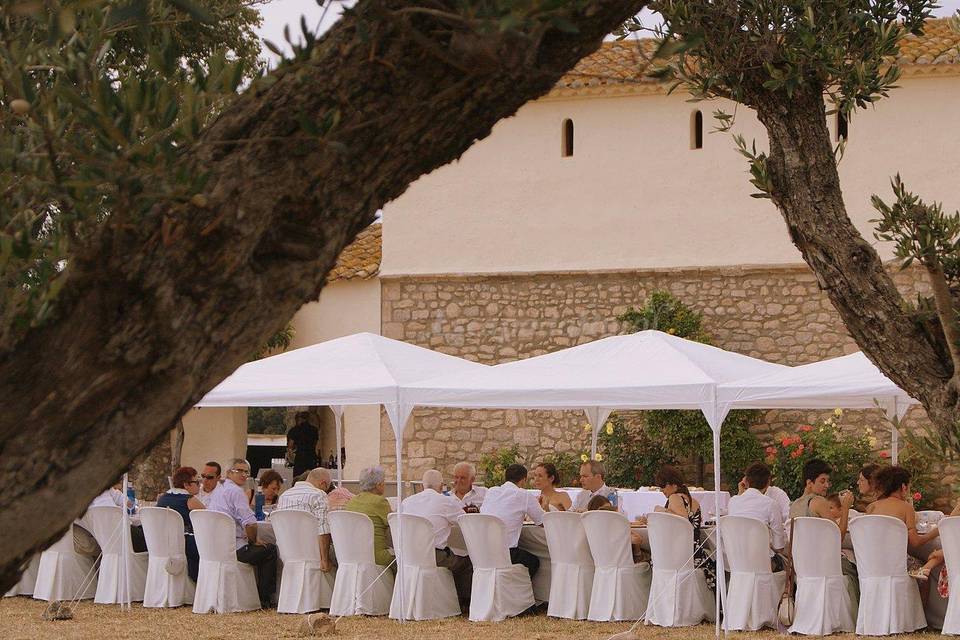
{"x":20,"y":620}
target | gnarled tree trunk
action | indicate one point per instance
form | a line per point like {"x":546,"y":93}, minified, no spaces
{"x":155,"y":312}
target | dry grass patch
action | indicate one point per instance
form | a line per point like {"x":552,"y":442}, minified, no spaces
{"x":20,"y":620}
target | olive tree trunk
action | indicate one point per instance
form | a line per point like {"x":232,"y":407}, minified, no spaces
{"x":157,"y":311}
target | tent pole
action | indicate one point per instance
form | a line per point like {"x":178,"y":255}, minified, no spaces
{"x":399,"y":543}
{"x":895,"y":435}
{"x":125,"y":545}
{"x":721,"y":577}
{"x":338,"y":425}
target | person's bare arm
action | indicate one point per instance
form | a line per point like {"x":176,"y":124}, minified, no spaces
{"x":194,"y":503}
{"x":675,"y":506}
{"x":325,"y":564}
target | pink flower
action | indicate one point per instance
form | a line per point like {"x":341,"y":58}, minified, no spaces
{"x":800,"y":449}
{"x":884,"y":455}
{"x":795,"y":453}
{"x":806,"y":428}
{"x":917,"y":496}
{"x":785,"y":442}
{"x":771,"y":451}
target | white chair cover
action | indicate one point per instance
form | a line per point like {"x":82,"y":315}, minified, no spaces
{"x":499,"y":589}
{"x":428,"y":590}
{"x":620,"y":586}
{"x":950,"y":539}
{"x":571,"y":565}
{"x":106,"y":525}
{"x":826,"y":599}
{"x":163,"y":530}
{"x":303,"y":586}
{"x":679,"y":595}
{"x":224,"y":584}
{"x":363,"y":587}
{"x":753,"y":594}
{"x":63,"y":571}
{"x":889,"y":598}
{"x":27,"y":581}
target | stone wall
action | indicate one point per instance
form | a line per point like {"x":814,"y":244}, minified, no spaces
{"x":774,"y":313}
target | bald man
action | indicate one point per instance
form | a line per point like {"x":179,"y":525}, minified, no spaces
{"x":310,"y":495}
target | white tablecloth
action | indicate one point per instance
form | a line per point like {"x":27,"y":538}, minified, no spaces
{"x":639,"y":503}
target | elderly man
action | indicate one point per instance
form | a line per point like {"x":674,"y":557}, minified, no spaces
{"x":209,"y":482}
{"x":592,"y":481}
{"x":310,"y":495}
{"x":442,"y":511}
{"x":231,"y":500}
{"x":512,"y":505}
{"x":470,"y":496}
{"x":371,"y":503}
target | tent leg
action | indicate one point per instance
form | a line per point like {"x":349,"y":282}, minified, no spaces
{"x":398,"y":544}
{"x":338,"y":422}
{"x":721,"y":576}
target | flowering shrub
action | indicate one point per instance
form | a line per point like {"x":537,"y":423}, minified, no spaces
{"x":493,"y":465}
{"x":825,"y":439}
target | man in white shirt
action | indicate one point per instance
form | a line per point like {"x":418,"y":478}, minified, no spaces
{"x":231,"y":500}
{"x":511,"y":505}
{"x":592,"y":481}
{"x":442,"y":511}
{"x":464,"y":475}
{"x":781,"y":498}
{"x":209,"y":482}
{"x":752,"y":503}
{"x":310,"y":495}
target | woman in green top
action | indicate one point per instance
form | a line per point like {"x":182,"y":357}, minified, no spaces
{"x":371,"y":503}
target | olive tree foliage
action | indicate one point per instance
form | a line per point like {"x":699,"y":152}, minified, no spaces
{"x":102,"y":99}
{"x":163,"y":219}
{"x":793,"y":62}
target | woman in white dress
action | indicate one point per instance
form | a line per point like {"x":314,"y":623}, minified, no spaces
{"x":546,"y":478}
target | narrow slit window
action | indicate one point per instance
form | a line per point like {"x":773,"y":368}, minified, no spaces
{"x":842,"y":127}
{"x":696,"y":130}
{"x":566,"y":149}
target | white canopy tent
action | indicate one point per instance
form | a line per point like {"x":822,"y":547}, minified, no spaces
{"x":645,"y":370}
{"x":849,"y":382}
{"x":361,"y":369}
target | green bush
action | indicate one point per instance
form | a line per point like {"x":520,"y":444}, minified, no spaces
{"x":493,"y":465}
{"x":630,"y":455}
{"x":845,"y":452}
{"x":568,"y":467}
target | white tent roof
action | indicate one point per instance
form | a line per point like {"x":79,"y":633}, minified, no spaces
{"x":645,"y":370}
{"x":361,"y":369}
{"x":851,"y":382}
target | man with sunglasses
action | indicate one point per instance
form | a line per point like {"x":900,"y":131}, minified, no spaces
{"x":209,"y":482}
{"x":231,"y":500}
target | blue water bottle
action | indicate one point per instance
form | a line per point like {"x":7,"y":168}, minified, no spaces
{"x":131,"y":500}
{"x":613,"y":499}
{"x":258,"y":502}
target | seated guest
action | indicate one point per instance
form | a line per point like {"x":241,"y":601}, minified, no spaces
{"x":442,"y":511}
{"x":893,"y":496}
{"x":270,"y":483}
{"x":182,"y":499}
{"x":592,"y":481}
{"x":370,"y":502}
{"x":752,"y":503}
{"x":600,"y":503}
{"x":511,"y":505}
{"x":813,"y":503}
{"x":210,"y":481}
{"x":310,"y":495}
{"x":781,"y":498}
{"x":231,"y":500}
{"x":113,"y":497}
{"x":546,"y":478}
{"x":469,"y":495}
{"x":865,"y":486}
{"x":681,"y":503}
{"x":338,"y":497}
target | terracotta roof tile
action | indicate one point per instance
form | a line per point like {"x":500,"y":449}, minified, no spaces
{"x":622,"y":64}
{"x":361,"y":258}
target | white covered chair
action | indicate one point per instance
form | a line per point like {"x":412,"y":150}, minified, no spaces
{"x":224,"y":584}
{"x":825,"y":599}
{"x":679,"y":595}
{"x":106,"y":525}
{"x":571,"y":565}
{"x":500,"y":589}
{"x":27,"y":581}
{"x":63,"y":573}
{"x":304,"y":587}
{"x":168,"y":584}
{"x":363,"y":587}
{"x":753,"y":594}
{"x":889,"y":598}
{"x":428,"y":590}
{"x":621,"y":587}
{"x":950,"y":539}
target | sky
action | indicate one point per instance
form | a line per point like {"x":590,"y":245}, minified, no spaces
{"x":279,"y":13}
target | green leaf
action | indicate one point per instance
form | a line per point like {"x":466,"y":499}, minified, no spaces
{"x":196,"y":12}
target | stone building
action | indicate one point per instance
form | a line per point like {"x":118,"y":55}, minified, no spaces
{"x":591,"y":198}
